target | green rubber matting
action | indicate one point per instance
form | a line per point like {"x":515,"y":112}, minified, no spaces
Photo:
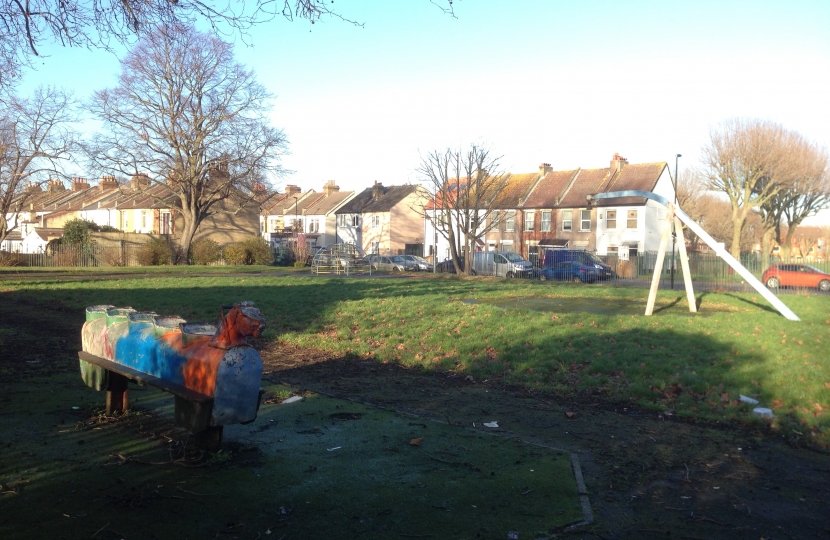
{"x":317,"y":468}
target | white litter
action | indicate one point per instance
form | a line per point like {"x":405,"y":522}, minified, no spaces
{"x":763,"y":412}
{"x":491,"y":424}
{"x":333,"y":449}
{"x":292,"y":399}
{"x":749,"y":400}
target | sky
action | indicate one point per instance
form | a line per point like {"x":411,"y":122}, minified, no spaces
{"x":562,"y":82}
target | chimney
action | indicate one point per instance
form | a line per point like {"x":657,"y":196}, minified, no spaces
{"x":139,"y":181}
{"x":79,"y":183}
{"x":330,"y":187}
{"x":545,"y":168}
{"x":33,"y":187}
{"x":377,"y":191}
{"x":107,"y":183}
{"x":259,"y":192}
{"x":292,"y":190}
{"x":219,"y":171}
{"x":55,"y":185}
{"x":617,"y":163}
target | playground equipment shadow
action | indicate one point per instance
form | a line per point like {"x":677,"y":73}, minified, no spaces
{"x":317,"y":468}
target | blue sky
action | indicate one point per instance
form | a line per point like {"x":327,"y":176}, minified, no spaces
{"x":569,"y":83}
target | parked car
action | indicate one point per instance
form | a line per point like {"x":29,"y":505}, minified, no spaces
{"x":393,"y":263}
{"x":555,"y":256}
{"x":796,"y":275}
{"x":501,"y":264}
{"x":413,"y":262}
{"x":569,"y":271}
{"x":447,"y":267}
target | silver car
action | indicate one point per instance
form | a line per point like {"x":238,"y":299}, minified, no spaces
{"x":394,"y":263}
{"x":413,"y":262}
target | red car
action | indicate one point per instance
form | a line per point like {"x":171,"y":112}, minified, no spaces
{"x":796,"y":275}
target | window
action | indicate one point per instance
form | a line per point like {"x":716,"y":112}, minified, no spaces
{"x":124,"y":221}
{"x":375,"y":247}
{"x":375,"y":222}
{"x":545,"y":225}
{"x":313,"y":225}
{"x":611,"y":219}
{"x":584,"y":220}
{"x":165,"y":223}
{"x":144,"y":219}
{"x":631,"y":223}
{"x":529,"y":221}
{"x":567,"y":220}
{"x":355,"y":220}
{"x":508,"y":220}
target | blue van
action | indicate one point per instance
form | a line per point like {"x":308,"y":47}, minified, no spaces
{"x":555,"y":256}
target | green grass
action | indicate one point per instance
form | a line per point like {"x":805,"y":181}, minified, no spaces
{"x":690,"y":366}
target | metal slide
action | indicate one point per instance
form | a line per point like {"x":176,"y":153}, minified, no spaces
{"x":703,"y":235}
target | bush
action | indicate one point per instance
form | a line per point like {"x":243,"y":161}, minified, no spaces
{"x":76,"y":231}
{"x":258,"y":250}
{"x":205,"y":251}
{"x":254,"y":250}
{"x":156,"y":252}
{"x":108,"y":228}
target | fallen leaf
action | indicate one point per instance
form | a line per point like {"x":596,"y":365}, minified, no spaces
{"x":416,"y":442}
{"x":570,"y":414}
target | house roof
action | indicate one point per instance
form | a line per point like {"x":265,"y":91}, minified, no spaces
{"x":271,"y":203}
{"x":641,"y":177}
{"x":515,"y":190}
{"x":389,"y":198}
{"x":549,"y":189}
{"x":587,"y":182}
{"x":326,"y":203}
{"x":47,"y":233}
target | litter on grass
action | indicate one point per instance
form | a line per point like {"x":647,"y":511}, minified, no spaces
{"x":491,"y":424}
{"x":292,"y":399}
{"x":747,"y":399}
{"x":762,"y":412}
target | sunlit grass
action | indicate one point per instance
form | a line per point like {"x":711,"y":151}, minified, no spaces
{"x":686,"y":365}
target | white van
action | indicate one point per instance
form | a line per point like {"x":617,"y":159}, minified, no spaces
{"x":501,"y":264}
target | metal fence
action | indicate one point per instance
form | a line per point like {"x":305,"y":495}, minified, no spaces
{"x":709,"y":272}
{"x":79,"y":256}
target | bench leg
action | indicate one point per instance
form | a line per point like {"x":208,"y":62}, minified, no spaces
{"x":209,"y":439}
{"x":117,"y":393}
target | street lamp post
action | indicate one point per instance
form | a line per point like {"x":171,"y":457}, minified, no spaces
{"x":674,"y":232}
{"x":294,"y":225}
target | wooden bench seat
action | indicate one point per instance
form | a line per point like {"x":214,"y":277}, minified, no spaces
{"x":192,"y":409}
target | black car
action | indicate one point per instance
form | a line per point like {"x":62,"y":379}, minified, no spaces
{"x":447,"y":267}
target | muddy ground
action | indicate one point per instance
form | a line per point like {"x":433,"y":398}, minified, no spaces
{"x":647,"y":475}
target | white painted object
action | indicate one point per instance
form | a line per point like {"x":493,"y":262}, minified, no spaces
{"x":749,"y":400}
{"x":762,"y":412}
{"x":491,"y":424}
{"x":292,"y":399}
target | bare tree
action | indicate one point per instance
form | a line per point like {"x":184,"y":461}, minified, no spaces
{"x":464,"y":184}
{"x":35,"y":140}
{"x":190,"y":117}
{"x":749,"y":161}
{"x":27,"y":26}
{"x":805,"y":195}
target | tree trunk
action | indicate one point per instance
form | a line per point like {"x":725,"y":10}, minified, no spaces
{"x":737,"y":229}
{"x":766,"y":247}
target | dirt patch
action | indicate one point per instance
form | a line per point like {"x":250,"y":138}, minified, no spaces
{"x":647,"y":475}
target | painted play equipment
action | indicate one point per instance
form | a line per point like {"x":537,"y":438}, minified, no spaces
{"x":211,"y":370}
{"x":676,"y":216}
